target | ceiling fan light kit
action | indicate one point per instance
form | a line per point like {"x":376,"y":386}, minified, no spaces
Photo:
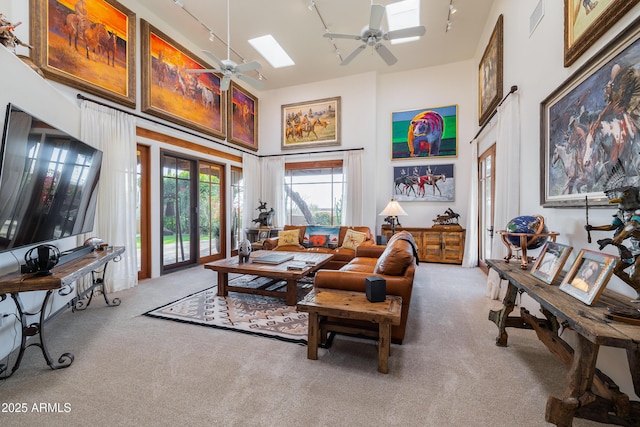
{"x":228,"y":68}
{"x":373,"y":35}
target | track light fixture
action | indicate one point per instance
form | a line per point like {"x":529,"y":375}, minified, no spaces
{"x":179,"y":3}
{"x":452,"y":10}
{"x":212,"y":36}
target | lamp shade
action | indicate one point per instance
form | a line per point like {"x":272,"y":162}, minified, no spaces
{"x":393,"y":209}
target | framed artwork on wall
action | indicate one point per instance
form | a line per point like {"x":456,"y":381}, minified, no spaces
{"x":490,"y":74}
{"x":311,"y":124}
{"x":424,"y":183}
{"x":193,"y":100}
{"x":585,"y":137}
{"x":585,"y":21}
{"x":87,"y":44}
{"x":549,"y":263}
{"x":427,"y":132}
{"x":588,"y":276}
{"x":243,"y":118}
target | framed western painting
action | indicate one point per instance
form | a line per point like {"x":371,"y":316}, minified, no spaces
{"x":424,"y":183}
{"x":243,"y":118}
{"x":87,"y":44}
{"x":588,"y":276}
{"x":585,"y":21}
{"x":549,"y":263}
{"x":311,"y":124}
{"x":587,"y":145}
{"x":490,"y":74}
{"x":427,"y":132}
{"x":169,"y":91}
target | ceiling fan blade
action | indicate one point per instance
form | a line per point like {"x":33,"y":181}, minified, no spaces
{"x":406,"y":32}
{"x":385,"y":54}
{"x":247,"y":66}
{"x":203,"y":70}
{"x":353,"y":54}
{"x":253,"y":82}
{"x":215,"y":58}
{"x":224,"y":83}
{"x":342,"y":36}
{"x":377,"y":12}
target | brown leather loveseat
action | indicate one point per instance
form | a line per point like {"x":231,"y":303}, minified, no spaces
{"x":394,"y":262}
{"x":341,"y":255}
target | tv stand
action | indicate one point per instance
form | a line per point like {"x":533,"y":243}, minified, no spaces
{"x":62,"y":279}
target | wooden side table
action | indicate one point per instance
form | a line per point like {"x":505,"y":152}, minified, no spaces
{"x":321,"y":303}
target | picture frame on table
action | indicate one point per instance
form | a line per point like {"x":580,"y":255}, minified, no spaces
{"x":550,"y":261}
{"x":585,"y":21}
{"x":588,"y":275}
{"x":105,"y":66}
{"x":169,"y":91}
{"x":490,"y":75}
{"x":583,"y":119}
{"x":242,"y":128}
{"x":311,"y":124}
{"x":424,"y":183}
{"x":425,"y":132}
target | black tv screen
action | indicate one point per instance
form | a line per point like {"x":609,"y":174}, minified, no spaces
{"x":48,"y":182}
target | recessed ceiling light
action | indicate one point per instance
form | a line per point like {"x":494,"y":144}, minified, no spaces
{"x":403,"y":14}
{"x":271,"y":50}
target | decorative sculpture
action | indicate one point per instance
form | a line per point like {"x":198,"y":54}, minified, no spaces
{"x":7,"y":38}
{"x":265,"y":219}
{"x":626,"y":227}
{"x":244,"y":250}
{"x":449,"y":218}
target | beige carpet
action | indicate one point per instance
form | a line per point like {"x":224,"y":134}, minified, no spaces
{"x":133,"y":370}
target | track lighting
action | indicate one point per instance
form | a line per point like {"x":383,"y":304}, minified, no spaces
{"x":452,"y":9}
{"x":212,"y":36}
{"x":312,"y":5}
{"x":179,"y":3}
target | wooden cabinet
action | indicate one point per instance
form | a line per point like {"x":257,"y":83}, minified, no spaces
{"x":443,"y":244}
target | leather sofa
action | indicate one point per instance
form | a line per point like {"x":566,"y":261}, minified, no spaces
{"x":394,"y":262}
{"x":341,"y":256}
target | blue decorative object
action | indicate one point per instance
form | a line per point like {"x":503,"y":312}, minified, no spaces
{"x":529,"y":225}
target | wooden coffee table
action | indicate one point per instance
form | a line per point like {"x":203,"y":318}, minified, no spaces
{"x":280,"y":271}
{"x":351,"y":305}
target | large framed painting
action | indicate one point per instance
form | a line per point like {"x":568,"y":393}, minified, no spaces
{"x":424,"y":183}
{"x":193,"y":100}
{"x":585,"y":21}
{"x":490,"y":74}
{"x":87,"y":44}
{"x":589,"y":141}
{"x":311,"y":124}
{"x":243,"y":118}
{"x":428,"y":132}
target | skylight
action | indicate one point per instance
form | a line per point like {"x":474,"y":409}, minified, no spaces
{"x":271,"y":50}
{"x":403,"y":14}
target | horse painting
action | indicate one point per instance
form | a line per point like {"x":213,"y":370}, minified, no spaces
{"x":431,"y":180}
{"x":411,"y":183}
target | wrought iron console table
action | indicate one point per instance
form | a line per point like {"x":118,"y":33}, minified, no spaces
{"x":62,"y":279}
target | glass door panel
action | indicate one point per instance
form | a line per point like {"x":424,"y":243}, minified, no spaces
{"x":486,"y":187}
{"x":210,"y":205}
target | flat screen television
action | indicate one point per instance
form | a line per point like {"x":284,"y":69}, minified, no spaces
{"x":48,"y":182}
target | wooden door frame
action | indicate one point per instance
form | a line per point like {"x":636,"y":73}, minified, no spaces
{"x":145,"y":212}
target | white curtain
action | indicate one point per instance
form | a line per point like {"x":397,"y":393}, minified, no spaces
{"x":272,"y":190}
{"x":507,"y":176}
{"x":114,"y":132}
{"x":252,"y":191}
{"x":471,"y":241}
{"x":352,"y":197}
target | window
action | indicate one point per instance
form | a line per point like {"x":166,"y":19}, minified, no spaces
{"x":237,"y":198}
{"x":313,"y":193}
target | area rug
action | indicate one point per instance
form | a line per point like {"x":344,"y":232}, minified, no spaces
{"x":251,"y":314}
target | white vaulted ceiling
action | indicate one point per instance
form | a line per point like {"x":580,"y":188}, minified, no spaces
{"x":300,"y":32}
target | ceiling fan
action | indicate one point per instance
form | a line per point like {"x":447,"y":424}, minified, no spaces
{"x":374,"y":34}
{"x":229,"y":68}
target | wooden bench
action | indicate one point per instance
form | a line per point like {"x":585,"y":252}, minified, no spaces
{"x":589,"y":393}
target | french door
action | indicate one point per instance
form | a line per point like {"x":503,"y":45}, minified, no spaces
{"x":192,"y":211}
{"x":143,"y":235}
{"x":486,"y":198}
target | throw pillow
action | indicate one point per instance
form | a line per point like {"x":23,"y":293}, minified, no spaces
{"x":288,"y":238}
{"x":353,"y":239}
{"x":321,"y":236}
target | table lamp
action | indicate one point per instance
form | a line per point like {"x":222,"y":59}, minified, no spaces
{"x":393,"y":210}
